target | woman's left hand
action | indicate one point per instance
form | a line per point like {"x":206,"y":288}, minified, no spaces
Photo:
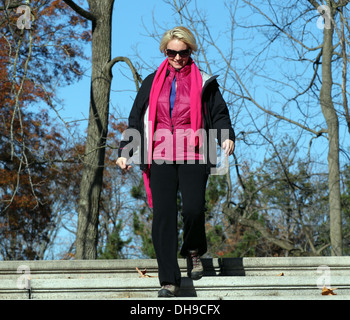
{"x":229,"y":146}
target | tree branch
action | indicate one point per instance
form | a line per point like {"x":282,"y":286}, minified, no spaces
{"x":344,"y":71}
{"x":256,"y":225}
{"x":282,"y":29}
{"x":12,"y":5}
{"x":79,"y":10}
{"x":314,"y":3}
{"x":137,"y":77}
{"x":342,"y":3}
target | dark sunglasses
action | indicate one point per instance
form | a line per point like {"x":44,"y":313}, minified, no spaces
{"x":172,"y":53}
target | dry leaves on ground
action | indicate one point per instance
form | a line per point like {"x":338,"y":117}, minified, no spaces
{"x":143,"y":273}
{"x":325,"y":291}
{"x":328,"y":291}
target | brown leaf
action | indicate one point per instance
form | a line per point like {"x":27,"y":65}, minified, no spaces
{"x":143,"y":273}
{"x":328,"y":291}
{"x":280,"y":275}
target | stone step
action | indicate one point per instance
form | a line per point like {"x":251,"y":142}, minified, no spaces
{"x":130,"y":288}
{"x":292,"y":266}
{"x":224,"y":279}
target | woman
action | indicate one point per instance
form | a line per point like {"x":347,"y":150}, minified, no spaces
{"x":181,"y":104}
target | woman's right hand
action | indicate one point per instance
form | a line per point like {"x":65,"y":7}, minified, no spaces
{"x":121,"y":162}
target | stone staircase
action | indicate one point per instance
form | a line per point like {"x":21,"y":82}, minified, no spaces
{"x":224,"y":279}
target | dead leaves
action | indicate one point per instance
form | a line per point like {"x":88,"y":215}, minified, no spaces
{"x":143,"y":273}
{"x":325,"y":291}
{"x":328,"y":291}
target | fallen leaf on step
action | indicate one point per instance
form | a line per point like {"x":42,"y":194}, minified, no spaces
{"x":280,"y":275}
{"x":328,"y":291}
{"x":143,"y":273}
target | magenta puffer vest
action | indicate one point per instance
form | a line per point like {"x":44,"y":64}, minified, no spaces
{"x":171,"y":139}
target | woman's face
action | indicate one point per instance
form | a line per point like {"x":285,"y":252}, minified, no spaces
{"x":177,"y":61}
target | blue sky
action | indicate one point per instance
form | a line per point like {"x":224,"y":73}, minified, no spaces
{"x":129,"y":18}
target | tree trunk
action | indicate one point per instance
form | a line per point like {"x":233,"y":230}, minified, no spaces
{"x":331,"y":118}
{"x":91,"y":183}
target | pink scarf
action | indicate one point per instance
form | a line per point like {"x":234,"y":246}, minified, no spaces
{"x":196,"y":114}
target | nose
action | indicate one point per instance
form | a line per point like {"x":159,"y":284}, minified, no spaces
{"x":177,"y":57}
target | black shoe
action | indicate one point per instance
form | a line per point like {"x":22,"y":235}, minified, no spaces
{"x":168,"y":291}
{"x":194,"y":265}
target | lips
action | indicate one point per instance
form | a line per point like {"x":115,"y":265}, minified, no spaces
{"x":178,"y":63}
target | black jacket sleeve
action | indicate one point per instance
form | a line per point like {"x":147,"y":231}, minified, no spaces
{"x":219,"y":114}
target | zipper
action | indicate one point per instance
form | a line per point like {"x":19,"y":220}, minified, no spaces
{"x":171,"y":116}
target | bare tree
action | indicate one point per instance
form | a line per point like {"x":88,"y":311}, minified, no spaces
{"x":100,"y":15}
{"x":32,"y":148}
{"x":280,"y":35}
{"x":331,"y":117}
{"x":327,"y":57}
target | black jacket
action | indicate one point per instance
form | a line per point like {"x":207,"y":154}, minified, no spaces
{"x":214,"y":112}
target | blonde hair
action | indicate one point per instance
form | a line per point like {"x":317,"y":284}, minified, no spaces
{"x":180,"y":33}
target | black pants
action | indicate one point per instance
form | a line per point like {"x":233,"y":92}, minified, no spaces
{"x":165,"y":180}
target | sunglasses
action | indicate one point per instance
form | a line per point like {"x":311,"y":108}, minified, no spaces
{"x":172,"y":53}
